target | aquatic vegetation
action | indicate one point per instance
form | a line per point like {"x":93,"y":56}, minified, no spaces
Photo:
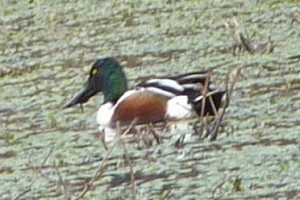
{"x":50,"y":152}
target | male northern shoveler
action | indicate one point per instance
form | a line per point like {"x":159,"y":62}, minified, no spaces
{"x":155,"y":100}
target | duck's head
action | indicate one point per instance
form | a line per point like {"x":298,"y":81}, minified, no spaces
{"x":107,"y":76}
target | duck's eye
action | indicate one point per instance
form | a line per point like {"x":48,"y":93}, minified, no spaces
{"x":94,"y":72}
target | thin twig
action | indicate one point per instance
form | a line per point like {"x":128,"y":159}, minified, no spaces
{"x":204,"y":92}
{"x":22,"y":194}
{"x":100,"y":169}
{"x":65,"y":187}
{"x":246,"y":43}
{"x":152,"y":131}
{"x":133,"y":190}
{"x":213,"y":104}
{"x":60,"y":183}
{"x":217,"y":187}
{"x":203,"y":101}
{"x":229,"y":92}
{"x":47,"y":156}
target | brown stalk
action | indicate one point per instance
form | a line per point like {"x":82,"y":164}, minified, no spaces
{"x":204,"y":92}
{"x":213,"y":105}
{"x":204,"y":95}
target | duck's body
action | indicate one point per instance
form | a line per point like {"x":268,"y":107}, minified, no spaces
{"x":155,"y":100}
{"x":145,"y":106}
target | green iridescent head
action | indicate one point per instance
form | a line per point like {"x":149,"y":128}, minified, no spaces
{"x":107,"y":76}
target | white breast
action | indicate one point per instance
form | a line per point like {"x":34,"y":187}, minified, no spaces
{"x":179,"y":108}
{"x":104,"y":114}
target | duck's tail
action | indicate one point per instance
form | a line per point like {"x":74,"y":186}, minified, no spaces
{"x":194,"y":84}
{"x":212,"y":102}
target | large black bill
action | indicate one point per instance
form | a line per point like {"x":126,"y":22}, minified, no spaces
{"x":82,"y":97}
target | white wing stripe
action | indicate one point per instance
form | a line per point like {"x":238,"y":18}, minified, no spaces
{"x":166,"y":83}
{"x":160,"y":92}
{"x":193,"y":76}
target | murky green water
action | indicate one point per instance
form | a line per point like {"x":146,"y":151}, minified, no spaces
{"x":47,"y":49}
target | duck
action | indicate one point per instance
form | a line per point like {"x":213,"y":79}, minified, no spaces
{"x":159,"y":99}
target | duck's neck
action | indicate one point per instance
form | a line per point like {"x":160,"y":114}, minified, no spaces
{"x":114,"y":87}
